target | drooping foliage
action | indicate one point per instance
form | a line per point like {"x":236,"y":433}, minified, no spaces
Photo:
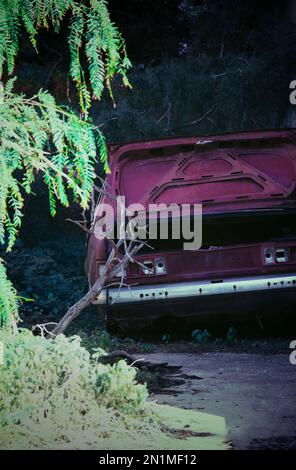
{"x":37,"y":135}
{"x":92,"y":34}
{"x":8,"y":300}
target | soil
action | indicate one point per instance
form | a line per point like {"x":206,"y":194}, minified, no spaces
{"x":255,"y":393}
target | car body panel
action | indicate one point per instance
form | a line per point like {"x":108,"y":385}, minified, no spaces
{"x":246,"y":184}
{"x":237,"y":171}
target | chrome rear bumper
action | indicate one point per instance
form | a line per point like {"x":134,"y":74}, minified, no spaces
{"x":195,"y":289}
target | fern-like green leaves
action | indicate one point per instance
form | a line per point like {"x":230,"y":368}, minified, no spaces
{"x":38,"y":136}
{"x":91,"y":33}
{"x":8,"y":300}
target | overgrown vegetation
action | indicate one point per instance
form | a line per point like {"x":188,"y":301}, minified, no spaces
{"x":55,"y":394}
{"x":198,"y":95}
{"x":38,"y":136}
{"x":55,"y":391}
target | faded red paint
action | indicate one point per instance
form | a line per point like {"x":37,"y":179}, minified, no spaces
{"x":229,"y":173}
{"x":226,"y":172}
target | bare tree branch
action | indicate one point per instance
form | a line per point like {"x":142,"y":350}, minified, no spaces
{"x":109,"y":272}
{"x":116,"y":263}
{"x":80,"y":223}
{"x":205,"y":116}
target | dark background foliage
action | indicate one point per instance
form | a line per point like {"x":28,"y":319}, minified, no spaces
{"x":189,"y":56}
{"x":225,"y":64}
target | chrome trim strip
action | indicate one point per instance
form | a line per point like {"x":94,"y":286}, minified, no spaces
{"x":197,"y":288}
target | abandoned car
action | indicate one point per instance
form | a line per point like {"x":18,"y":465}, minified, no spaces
{"x":246,"y":184}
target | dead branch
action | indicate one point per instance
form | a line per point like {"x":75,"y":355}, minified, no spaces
{"x":119,"y":354}
{"x":110,"y":271}
{"x":191,"y":123}
{"x":43,"y":328}
{"x":115,"y":265}
{"x":167,"y":115}
{"x":80,"y":224}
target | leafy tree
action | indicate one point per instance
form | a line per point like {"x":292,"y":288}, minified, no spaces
{"x":8,"y":300}
{"x":91,"y":33}
{"x":37,"y":135}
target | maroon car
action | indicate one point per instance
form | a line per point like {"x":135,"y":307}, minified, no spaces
{"x":246,"y":183}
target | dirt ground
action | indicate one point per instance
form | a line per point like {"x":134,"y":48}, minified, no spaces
{"x":255,"y":393}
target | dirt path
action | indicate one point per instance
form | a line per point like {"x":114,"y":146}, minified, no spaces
{"x":255,"y":393}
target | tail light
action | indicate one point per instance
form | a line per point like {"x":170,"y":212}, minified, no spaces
{"x":275,"y":255}
{"x":154,"y":267}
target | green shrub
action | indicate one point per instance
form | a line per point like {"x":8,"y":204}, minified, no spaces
{"x":55,"y":395}
{"x":52,"y":389}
